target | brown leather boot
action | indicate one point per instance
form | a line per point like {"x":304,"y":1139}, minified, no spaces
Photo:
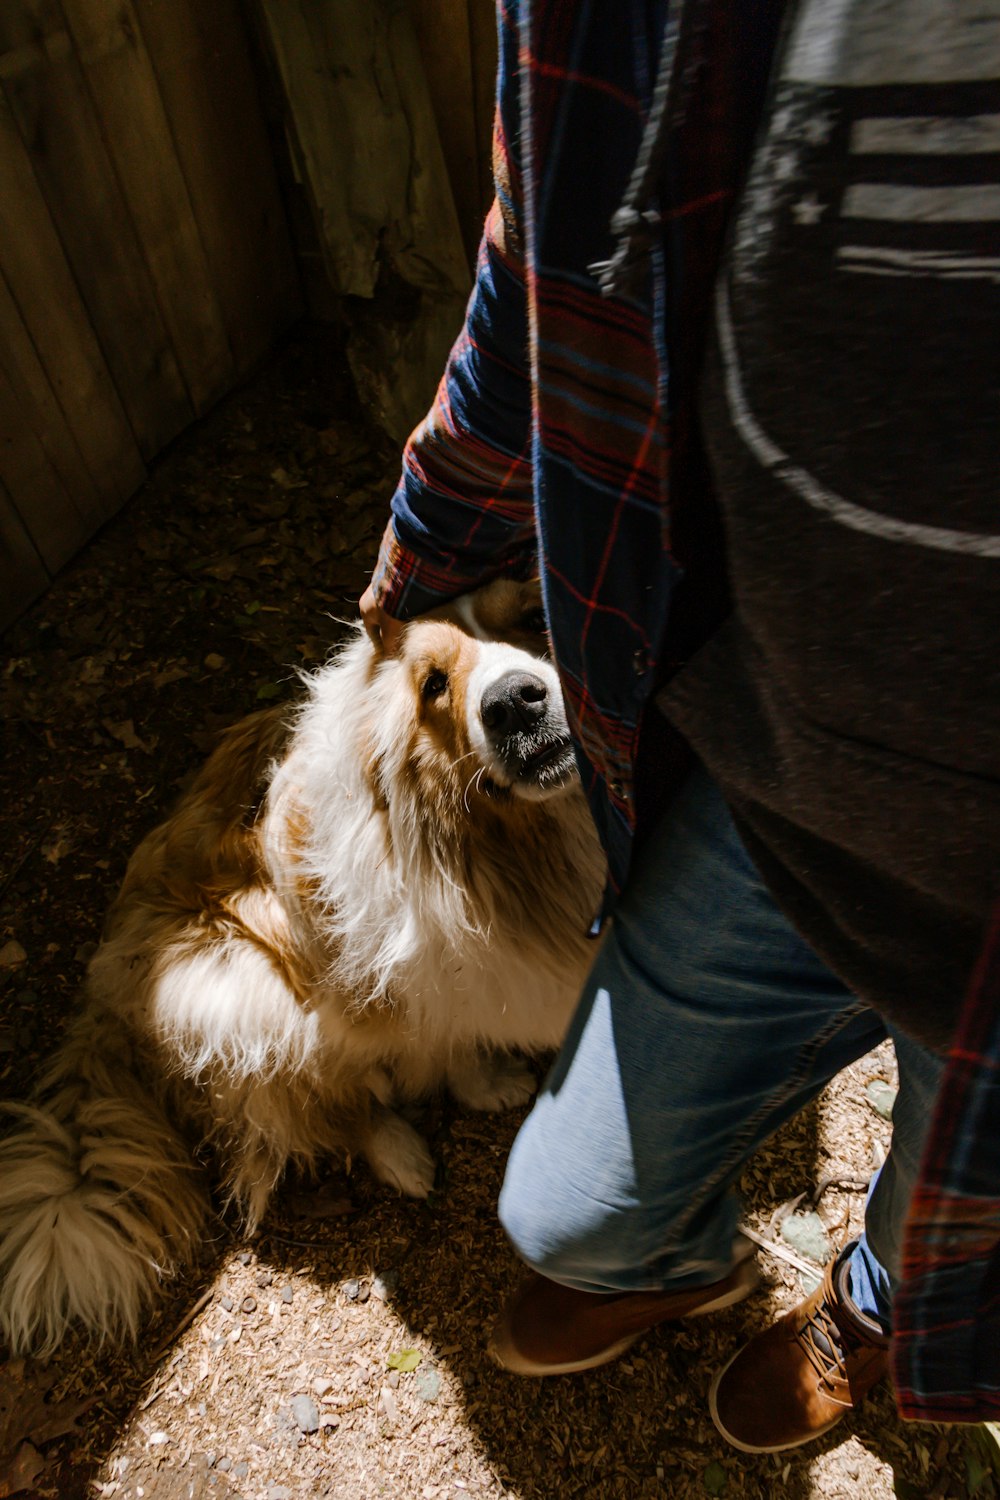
{"x":798,"y":1378}
{"x":549,"y":1329}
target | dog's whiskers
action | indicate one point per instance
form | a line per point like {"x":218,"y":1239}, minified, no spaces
{"x":473,"y":778}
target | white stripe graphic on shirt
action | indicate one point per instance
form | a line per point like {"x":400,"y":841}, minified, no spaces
{"x":911,"y":139}
{"x":873,"y":260}
{"x":862,"y":43}
{"x":802,"y":483}
{"x":977,"y":203}
{"x":926,"y":135}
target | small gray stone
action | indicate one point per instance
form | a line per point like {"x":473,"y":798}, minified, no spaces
{"x":264,"y":1278}
{"x":227,"y":1303}
{"x":306,"y":1413}
{"x":427,"y":1384}
{"x":881,"y":1097}
{"x":244,"y":1257}
{"x":287,"y":1294}
{"x":278,"y":1492}
{"x":351,"y":1289}
{"x":241,"y":1470}
{"x":225,"y":1464}
{"x":383,"y":1286}
{"x":807,"y":1234}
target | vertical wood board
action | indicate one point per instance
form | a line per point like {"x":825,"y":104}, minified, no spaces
{"x":123,"y":87}
{"x":204,"y":71}
{"x":365,"y":142}
{"x":444,"y":36}
{"x":27,"y":472}
{"x":348,"y":136}
{"x":365,"y":139}
{"x":483,"y":40}
{"x":47,"y":94}
{"x":428,"y":244}
{"x":22,"y":573}
{"x":20,"y":364}
{"x":51,"y":309}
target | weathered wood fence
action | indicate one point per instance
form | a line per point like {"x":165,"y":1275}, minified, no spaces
{"x":145,"y":257}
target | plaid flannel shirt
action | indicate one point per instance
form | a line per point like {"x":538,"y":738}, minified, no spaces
{"x":559,"y":439}
{"x":554,"y":437}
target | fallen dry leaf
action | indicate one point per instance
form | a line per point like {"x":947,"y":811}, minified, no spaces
{"x":224,"y":570}
{"x":124,"y":732}
{"x":19,"y":1471}
{"x":24,"y":1411}
{"x":284,"y":480}
{"x":59,"y":846}
{"x":169,"y":674}
{"x":27,"y":1419}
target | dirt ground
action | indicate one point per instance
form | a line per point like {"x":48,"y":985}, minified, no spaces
{"x":341,"y":1351}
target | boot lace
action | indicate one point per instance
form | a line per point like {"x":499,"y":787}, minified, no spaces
{"x":827,"y":1347}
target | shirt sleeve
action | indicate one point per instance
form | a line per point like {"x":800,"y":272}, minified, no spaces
{"x":462,"y":512}
{"x":946,"y":1312}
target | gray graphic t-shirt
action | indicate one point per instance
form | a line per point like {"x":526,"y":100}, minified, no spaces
{"x":851,"y":406}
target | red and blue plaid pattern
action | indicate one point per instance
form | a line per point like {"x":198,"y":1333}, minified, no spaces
{"x":946,"y":1316}
{"x":554,"y":435}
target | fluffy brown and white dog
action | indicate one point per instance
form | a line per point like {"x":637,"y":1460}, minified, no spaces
{"x":385,"y":892}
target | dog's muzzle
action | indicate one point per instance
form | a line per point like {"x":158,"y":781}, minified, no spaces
{"x":526,"y":731}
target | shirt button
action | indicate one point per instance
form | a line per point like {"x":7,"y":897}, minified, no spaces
{"x":640,"y":661}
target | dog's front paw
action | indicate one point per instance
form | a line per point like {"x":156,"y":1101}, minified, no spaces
{"x":399,"y":1156}
{"x":486,"y":1081}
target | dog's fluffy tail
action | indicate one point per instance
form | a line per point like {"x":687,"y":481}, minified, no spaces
{"x":98,"y":1196}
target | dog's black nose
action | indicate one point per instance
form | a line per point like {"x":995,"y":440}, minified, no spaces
{"x":517,"y":700}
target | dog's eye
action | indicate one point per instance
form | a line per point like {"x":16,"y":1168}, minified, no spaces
{"x":534,"y":622}
{"x":434,"y":684}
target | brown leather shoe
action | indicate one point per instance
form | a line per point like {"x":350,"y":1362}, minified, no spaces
{"x":549,"y":1329}
{"x":798,"y":1378}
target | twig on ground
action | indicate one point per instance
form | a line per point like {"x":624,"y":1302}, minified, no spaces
{"x":779,"y":1251}
{"x":185,"y":1322}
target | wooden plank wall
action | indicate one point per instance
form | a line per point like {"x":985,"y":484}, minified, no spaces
{"x":145,"y":263}
{"x":387,"y":108}
{"x":458,"y":46}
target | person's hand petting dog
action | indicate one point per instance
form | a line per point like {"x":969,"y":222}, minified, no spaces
{"x":384,"y":631}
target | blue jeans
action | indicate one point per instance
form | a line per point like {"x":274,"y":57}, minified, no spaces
{"x":706,"y":1022}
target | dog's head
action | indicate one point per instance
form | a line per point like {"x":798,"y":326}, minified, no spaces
{"x":486,"y":707}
